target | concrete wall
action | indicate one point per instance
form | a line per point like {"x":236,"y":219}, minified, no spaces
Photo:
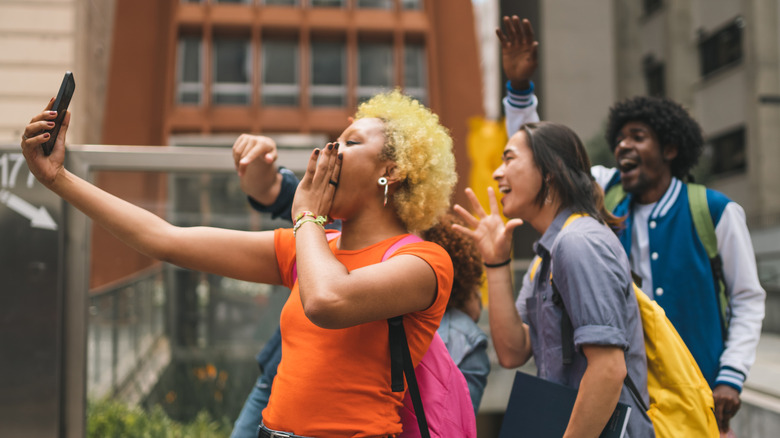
{"x":576,"y":47}
{"x":37,"y":46}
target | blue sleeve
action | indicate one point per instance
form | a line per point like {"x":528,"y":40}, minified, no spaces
{"x":282,"y":207}
{"x":475,"y":367}
{"x":269,"y":357}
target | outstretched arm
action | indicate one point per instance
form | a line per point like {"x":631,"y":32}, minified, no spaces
{"x":243,"y":255}
{"x":494,"y":239}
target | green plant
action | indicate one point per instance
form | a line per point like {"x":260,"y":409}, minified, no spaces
{"x":110,"y":418}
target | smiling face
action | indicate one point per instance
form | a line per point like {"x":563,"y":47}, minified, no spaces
{"x":361,"y":145}
{"x":644,"y":165}
{"x":519,"y":179}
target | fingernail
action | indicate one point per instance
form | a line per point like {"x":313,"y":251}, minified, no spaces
{"x":45,"y":135}
{"x":330,"y":146}
{"x":52,"y":113}
{"x":50,"y":124}
{"x":341,"y":156}
{"x":316,"y":152}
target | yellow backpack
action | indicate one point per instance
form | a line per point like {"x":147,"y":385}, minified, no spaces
{"x":681,"y":403}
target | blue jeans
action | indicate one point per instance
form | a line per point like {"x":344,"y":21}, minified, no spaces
{"x":251,"y":415}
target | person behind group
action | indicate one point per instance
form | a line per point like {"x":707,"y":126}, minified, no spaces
{"x":390,"y":172}
{"x":545,"y":179}
{"x":465,"y":341}
{"x":270,"y":189}
{"x":656,"y":143}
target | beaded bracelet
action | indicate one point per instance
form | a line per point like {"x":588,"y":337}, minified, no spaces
{"x":302,"y":214}
{"x":320,"y":220}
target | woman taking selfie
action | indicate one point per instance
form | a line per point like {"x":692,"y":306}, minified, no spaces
{"x":390,"y":172}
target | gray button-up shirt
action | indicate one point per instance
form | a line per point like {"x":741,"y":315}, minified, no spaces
{"x":593,"y":276}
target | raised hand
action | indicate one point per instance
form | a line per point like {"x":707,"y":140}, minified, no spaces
{"x":253,"y":150}
{"x":255,"y":160}
{"x":45,"y":168}
{"x":492,"y":236}
{"x":316,"y":190}
{"x":518,"y":51}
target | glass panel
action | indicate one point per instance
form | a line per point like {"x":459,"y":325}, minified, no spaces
{"x":280,"y":2}
{"x":280,"y":72}
{"x":375,"y":4}
{"x":232,"y":71}
{"x":327,"y":3}
{"x":169,"y":340}
{"x":415,"y":72}
{"x":412,"y":4}
{"x":328,"y":76}
{"x":375,"y":69}
{"x":189,"y":88}
{"x":232,"y":1}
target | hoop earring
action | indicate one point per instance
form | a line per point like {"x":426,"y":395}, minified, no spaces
{"x":383,"y":182}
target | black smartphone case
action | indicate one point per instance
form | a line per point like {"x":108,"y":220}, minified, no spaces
{"x":61,"y":106}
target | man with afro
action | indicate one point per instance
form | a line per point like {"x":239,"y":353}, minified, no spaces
{"x":656,"y":143}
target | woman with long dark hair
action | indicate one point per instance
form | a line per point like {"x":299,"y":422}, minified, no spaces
{"x":582,"y":273}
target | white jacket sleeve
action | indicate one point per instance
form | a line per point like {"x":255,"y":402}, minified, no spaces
{"x":520,"y":107}
{"x":745,"y":294}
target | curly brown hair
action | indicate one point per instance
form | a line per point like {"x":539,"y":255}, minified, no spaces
{"x":466,"y":259}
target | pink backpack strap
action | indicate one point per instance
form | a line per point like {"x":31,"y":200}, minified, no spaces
{"x":409,"y":238}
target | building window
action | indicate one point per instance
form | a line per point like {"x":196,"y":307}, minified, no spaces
{"x":375,"y":69}
{"x":654,"y":76}
{"x":650,"y":6}
{"x":375,"y":4}
{"x":189,"y":67}
{"x":414,"y":5}
{"x":232,"y":1}
{"x":728,"y":153}
{"x":415,"y":71}
{"x":279,"y":2}
{"x":281,"y":85}
{"x":327,"y":3}
{"x":722,"y":48}
{"x":232,"y":70}
{"x":328,"y":73}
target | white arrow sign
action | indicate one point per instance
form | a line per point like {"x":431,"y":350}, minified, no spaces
{"x":38,"y":216}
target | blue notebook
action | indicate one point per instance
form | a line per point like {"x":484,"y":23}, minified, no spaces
{"x":541,"y":409}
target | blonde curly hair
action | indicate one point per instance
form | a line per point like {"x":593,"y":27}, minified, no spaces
{"x":422,"y":151}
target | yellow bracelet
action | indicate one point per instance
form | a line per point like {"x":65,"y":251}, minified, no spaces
{"x":301,"y":215}
{"x":320,"y":220}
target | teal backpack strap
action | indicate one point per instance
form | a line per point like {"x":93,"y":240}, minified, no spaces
{"x":705,"y":228}
{"x":614,"y":196}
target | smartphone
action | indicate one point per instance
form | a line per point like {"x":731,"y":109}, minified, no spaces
{"x":61,"y":106}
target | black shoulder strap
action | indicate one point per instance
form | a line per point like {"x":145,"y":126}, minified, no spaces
{"x":567,"y":330}
{"x":400,"y":364}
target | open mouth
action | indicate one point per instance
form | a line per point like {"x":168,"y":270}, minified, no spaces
{"x":626,"y":164}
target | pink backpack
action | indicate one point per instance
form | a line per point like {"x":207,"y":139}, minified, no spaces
{"x":445,"y":397}
{"x":445,"y":410}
